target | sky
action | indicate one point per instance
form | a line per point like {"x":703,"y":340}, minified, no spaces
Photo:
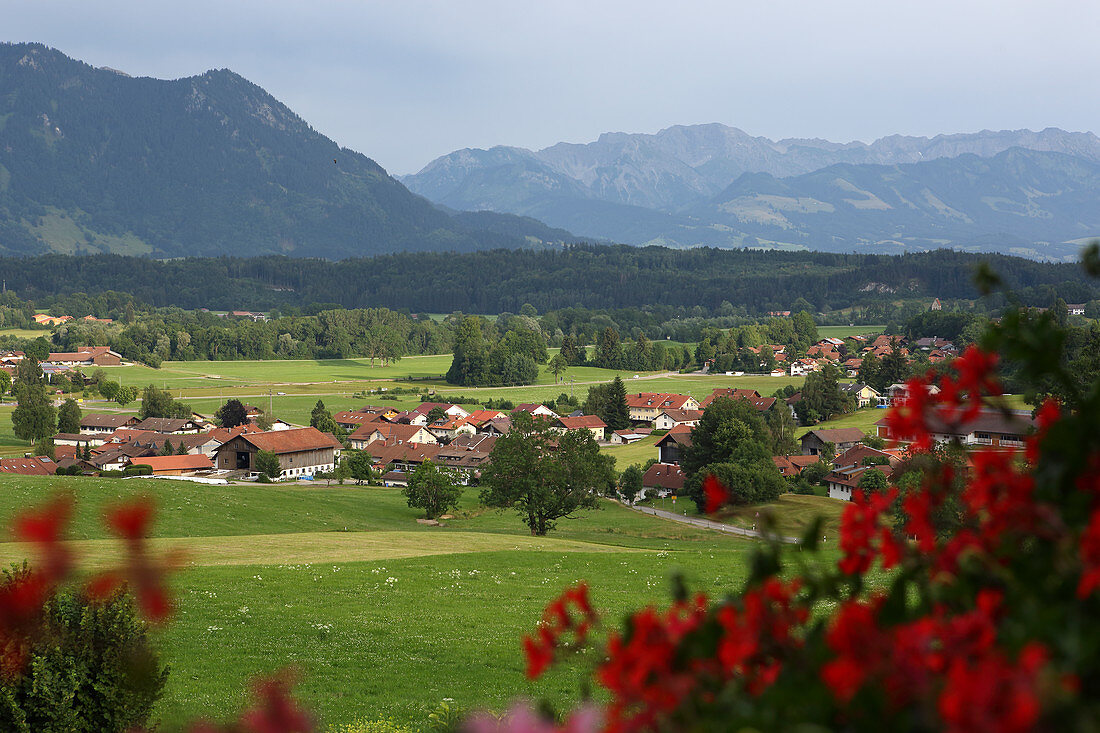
{"x":406,"y":81}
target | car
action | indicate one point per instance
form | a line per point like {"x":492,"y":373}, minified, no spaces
{"x":280,"y":393}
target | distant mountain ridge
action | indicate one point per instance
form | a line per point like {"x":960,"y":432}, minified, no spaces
{"x":93,"y":160}
{"x":668,"y":188}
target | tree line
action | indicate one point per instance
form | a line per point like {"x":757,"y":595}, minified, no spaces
{"x":595,"y":276}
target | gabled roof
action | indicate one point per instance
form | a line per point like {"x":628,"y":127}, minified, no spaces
{"x":164,"y":424}
{"x":664,"y":476}
{"x":291,"y":441}
{"x":105,"y":420}
{"x":657,"y":400}
{"x":679,"y":416}
{"x":730,"y":392}
{"x":589,"y":422}
{"x":837,"y":435}
{"x":37,"y":466}
{"x":679,"y":434}
{"x":395,"y":431}
{"x":793,"y":465}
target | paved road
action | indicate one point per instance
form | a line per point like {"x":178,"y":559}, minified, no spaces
{"x":708,"y":524}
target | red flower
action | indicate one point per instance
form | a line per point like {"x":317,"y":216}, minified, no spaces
{"x":992,"y":694}
{"x":715,"y":492}
{"x":559,"y":619}
{"x":45,"y":528}
{"x":131,"y":521}
{"x":860,"y":526}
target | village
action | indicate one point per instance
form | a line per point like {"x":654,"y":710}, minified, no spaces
{"x":450,"y":435}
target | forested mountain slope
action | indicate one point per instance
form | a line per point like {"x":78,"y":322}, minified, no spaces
{"x":92,"y":160}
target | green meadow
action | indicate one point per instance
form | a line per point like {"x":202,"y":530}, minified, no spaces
{"x":378,"y":615}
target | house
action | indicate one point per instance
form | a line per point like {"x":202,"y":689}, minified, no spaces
{"x":989,"y":428}
{"x":419,"y":416}
{"x":46,"y":320}
{"x":1075,"y":309}
{"x":479,"y":418}
{"x":301,"y":452}
{"x":591,"y":423}
{"x":37,"y":466}
{"x":936,"y":305}
{"x":536,"y":410}
{"x":177,"y":465}
{"x":100,"y":423}
{"x":662,"y":479}
{"x":844,"y":480}
{"x":86,"y":356}
{"x":668,"y":419}
{"x":497,"y":426}
{"x":353,"y":419}
{"x":449,"y":428}
{"x":777,"y":373}
{"x":629,"y":435}
{"x":402,"y":456}
{"x":646,"y":406}
{"x":763,"y":404}
{"x":92,"y":319}
{"x":801,"y":367}
{"x":671,"y":446}
{"x":168,"y":425}
{"x":864,"y":394}
{"x":851,"y":366}
{"x":814,"y":442}
{"x":793,"y":465}
{"x":824,"y":351}
{"x":382,"y":431}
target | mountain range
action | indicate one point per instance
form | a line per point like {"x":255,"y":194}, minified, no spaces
{"x":1019,"y":191}
{"x":93,"y":160}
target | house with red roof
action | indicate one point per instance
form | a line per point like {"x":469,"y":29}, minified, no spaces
{"x":591,"y":423}
{"x":646,"y":406}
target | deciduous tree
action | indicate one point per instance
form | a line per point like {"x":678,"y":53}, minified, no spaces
{"x":434,"y":489}
{"x":543,"y":475}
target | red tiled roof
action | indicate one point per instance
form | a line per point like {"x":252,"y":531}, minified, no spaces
{"x":176,"y":463}
{"x":38,"y":466}
{"x":748,"y":394}
{"x":664,"y":476}
{"x":658,"y":400}
{"x":582,"y":421}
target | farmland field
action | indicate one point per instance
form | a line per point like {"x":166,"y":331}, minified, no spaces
{"x":380,"y":616}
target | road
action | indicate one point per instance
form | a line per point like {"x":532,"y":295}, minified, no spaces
{"x":708,"y":524}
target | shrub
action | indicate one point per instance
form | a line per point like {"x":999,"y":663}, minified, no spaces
{"x":92,"y":668}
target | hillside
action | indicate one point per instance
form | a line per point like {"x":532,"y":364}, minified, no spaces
{"x":673,"y":188}
{"x":92,"y":160}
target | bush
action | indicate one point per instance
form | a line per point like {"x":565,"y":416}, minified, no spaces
{"x":111,"y":474}
{"x":92,"y":669}
{"x":137,"y":469}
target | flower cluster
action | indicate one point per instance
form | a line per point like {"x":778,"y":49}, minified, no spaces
{"x":568,"y":614}
{"x":992,"y":570}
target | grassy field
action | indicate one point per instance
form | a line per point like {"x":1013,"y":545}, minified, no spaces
{"x":863,"y":419}
{"x":24,"y":333}
{"x":381,"y":616}
{"x":793,"y":514}
{"x":638,"y":452}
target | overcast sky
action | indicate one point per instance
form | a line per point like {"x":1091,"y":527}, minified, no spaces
{"x":406,"y":81}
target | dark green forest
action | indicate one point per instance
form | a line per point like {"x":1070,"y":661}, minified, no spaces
{"x":711,"y":281}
